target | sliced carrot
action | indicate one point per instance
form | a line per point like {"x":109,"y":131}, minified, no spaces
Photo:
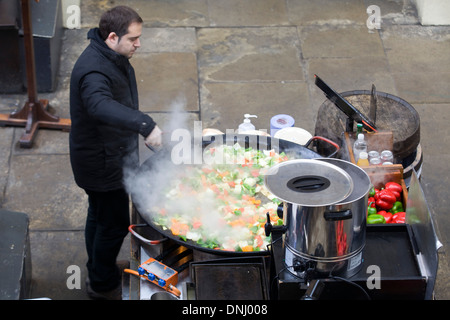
{"x":224,"y":174}
{"x":237,"y":223}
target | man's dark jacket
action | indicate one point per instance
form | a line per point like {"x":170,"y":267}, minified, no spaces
{"x":105,"y":117}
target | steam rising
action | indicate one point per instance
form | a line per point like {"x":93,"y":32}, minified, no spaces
{"x":169,"y":188}
{"x":147,"y":186}
{"x":155,"y":189}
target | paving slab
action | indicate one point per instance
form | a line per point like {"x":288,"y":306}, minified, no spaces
{"x":47,"y":142}
{"x":42,"y":186}
{"x":168,"y":40}
{"x":340,"y":42}
{"x":91,"y":11}
{"x":164,"y":77}
{"x":248,"y":13}
{"x":441,"y":291}
{"x":323,"y":12}
{"x":11,"y":102}
{"x":224,"y":104}
{"x":180,"y":13}
{"x":436,"y":159}
{"x":6,"y":137}
{"x":419,"y":58}
{"x":52,"y":254}
{"x":58,"y":257}
{"x":249,"y":54}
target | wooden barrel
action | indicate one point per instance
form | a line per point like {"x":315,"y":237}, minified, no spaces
{"x":393,"y":114}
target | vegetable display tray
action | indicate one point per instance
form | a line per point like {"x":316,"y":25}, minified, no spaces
{"x":390,"y":270}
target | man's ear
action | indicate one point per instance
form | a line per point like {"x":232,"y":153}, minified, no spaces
{"x":113,"y":38}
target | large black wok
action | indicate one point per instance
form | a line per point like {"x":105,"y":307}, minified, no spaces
{"x":292,"y":149}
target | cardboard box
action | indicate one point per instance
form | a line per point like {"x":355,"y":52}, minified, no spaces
{"x":375,"y":141}
{"x":380,"y":175}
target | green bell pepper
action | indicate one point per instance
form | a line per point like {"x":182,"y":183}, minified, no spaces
{"x":375,"y":219}
{"x":397,"y":207}
{"x":372,"y":192}
{"x":371,"y":210}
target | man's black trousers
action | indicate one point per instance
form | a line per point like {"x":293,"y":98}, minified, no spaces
{"x":106,"y":227}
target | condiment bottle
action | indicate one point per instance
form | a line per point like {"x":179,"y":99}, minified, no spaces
{"x":387,"y":156}
{"x":247,"y":124}
{"x":363,"y":160}
{"x":375,"y":161}
{"x":360,"y":145}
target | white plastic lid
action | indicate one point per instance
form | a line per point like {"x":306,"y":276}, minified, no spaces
{"x":294,"y":134}
{"x":361,"y":136}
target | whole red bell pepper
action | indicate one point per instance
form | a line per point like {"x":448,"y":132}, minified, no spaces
{"x":371,"y":202}
{"x":395,"y":188}
{"x":399,"y":217}
{"x":387,"y":216}
{"x":385,"y":199}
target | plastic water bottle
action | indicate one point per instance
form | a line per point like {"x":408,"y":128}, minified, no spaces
{"x":247,"y":124}
{"x":359,"y":146}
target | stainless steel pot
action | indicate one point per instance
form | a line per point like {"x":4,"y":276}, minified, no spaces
{"x":324,"y":212}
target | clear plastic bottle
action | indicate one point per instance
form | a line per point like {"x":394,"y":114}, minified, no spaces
{"x":363,"y":160}
{"x":359,"y":146}
{"x":247,"y":124}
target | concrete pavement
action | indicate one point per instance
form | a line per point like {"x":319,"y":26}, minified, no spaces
{"x":222,"y":59}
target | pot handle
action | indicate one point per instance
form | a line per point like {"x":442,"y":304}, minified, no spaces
{"x":337,"y":215}
{"x":327,"y":141}
{"x":141,"y":238}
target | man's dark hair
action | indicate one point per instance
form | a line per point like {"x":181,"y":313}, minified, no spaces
{"x":117,"y":20}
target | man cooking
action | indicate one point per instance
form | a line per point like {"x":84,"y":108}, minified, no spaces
{"x":106,"y":124}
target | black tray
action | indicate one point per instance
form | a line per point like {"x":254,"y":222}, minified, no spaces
{"x":230,"y":279}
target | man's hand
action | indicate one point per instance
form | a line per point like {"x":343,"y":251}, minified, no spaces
{"x":154,"y":139}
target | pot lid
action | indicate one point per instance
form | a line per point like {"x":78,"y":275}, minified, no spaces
{"x":308,"y":182}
